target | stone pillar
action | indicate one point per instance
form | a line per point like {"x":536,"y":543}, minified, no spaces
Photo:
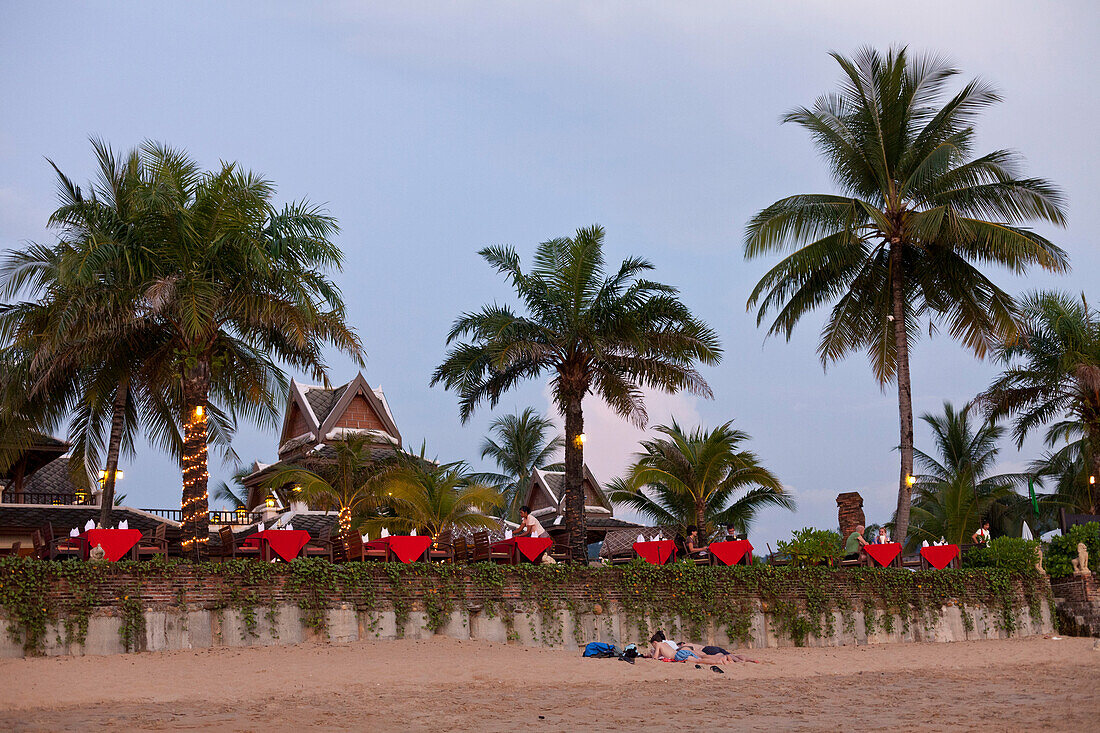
{"x":849,"y":513}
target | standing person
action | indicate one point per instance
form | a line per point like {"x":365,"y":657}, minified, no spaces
{"x":981,"y":537}
{"x":528,"y":525}
{"x":853,"y":547}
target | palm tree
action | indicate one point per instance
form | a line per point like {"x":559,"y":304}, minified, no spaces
{"x":431,"y":497}
{"x":691,"y":478}
{"x":81,"y":335}
{"x":236,"y":284}
{"x":916,"y":214}
{"x":610,"y":334}
{"x":521,"y":447}
{"x":1067,"y":468}
{"x":350,"y":479}
{"x":954,"y":493}
{"x":1053,"y":373}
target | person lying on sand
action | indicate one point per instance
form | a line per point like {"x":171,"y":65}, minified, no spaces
{"x":714,"y":654}
{"x":662,"y":647}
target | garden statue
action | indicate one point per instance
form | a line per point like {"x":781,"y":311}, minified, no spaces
{"x":1039,"y":560}
{"x":97,"y":553}
{"x":1081,"y":562}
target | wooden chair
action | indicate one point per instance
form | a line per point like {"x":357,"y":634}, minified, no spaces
{"x":773,"y":560}
{"x":232,"y":549}
{"x":483,"y":552}
{"x":462,"y":553}
{"x":321,"y":545}
{"x":152,"y":546}
{"x":48,"y":547}
{"x":618,"y":546}
{"x":442,"y":548}
{"x":560,"y":552}
{"x":12,"y":551}
{"x":356,"y":551}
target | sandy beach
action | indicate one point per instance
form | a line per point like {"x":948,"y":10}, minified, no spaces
{"x":442,"y":684}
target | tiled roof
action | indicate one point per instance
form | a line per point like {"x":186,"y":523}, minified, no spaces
{"x":556,"y":483}
{"x":322,"y":400}
{"x":53,"y":478}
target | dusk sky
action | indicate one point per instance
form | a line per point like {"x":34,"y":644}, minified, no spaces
{"x":431,"y":130}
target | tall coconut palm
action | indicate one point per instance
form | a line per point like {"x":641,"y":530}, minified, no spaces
{"x":692,"y":478}
{"x":1067,"y":468}
{"x":1053,"y":374}
{"x":82,"y":333}
{"x":524,"y":442}
{"x":954,"y":492}
{"x":236,"y":285}
{"x":349,"y":480}
{"x":917,"y":213}
{"x":428,"y":497}
{"x":609,"y":334}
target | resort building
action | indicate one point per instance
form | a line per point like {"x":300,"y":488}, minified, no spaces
{"x":546,"y":497}
{"x":316,"y":416}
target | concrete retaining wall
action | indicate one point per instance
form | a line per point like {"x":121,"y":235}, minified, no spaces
{"x":171,"y":629}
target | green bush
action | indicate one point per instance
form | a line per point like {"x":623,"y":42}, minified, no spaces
{"x":1009,"y":553}
{"x":1064,"y":548}
{"x":812,"y":546}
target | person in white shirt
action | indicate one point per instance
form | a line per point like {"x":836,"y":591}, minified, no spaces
{"x":981,"y":537}
{"x":528,"y":525}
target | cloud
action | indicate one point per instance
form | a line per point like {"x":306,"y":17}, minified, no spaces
{"x":612,"y":441}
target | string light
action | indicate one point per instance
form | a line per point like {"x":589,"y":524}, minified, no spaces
{"x":195,"y":506}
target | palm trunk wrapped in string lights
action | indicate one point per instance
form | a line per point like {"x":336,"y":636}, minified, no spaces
{"x":195,"y":526}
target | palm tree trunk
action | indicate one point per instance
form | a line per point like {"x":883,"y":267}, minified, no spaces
{"x":574,"y":479}
{"x":195,"y":527}
{"x":905,"y":391}
{"x":1094,"y":505}
{"x":701,"y":521}
{"x":114,"y":443}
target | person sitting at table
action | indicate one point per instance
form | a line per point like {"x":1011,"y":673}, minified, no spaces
{"x":883,"y":537}
{"x":981,"y":537}
{"x":691,"y":543}
{"x":528,"y":525}
{"x":853,"y":547}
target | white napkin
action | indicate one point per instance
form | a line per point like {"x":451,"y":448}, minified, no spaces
{"x":924,"y":544}
{"x":641,"y":538}
{"x":659,"y":538}
{"x":90,"y":524}
{"x":288,"y":526}
{"x":412,"y":534}
{"x":366,"y":538}
{"x":507,"y":534}
{"x":74,"y":532}
{"x":259,"y":526}
{"x":385,"y":532}
{"x":124,"y":524}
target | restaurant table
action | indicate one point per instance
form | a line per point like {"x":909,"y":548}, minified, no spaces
{"x":115,"y":542}
{"x":883,"y":554}
{"x":406,"y":548}
{"x":286,"y":543}
{"x":731,"y":552}
{"x":524,"y":547}
{"x":940,"y":556}
{"x":656,"y":552}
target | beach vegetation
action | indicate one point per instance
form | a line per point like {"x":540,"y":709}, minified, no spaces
{"x":809,"y":546}
{"x":901,"y":246}
{"x":610,"y":333}
{"x":1063,"y":549}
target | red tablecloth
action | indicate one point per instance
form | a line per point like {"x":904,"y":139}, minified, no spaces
{"x":115,"y":542}
{"x":286,"y":543}
{"x":730,"y":553}
{"x":405,"y":548}
{"x":656,"y":552}
{"x":884,"y":554}
{"x":940,"y":556}
{"x":528,"y":547}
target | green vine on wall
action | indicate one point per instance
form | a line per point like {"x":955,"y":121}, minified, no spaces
{"x":682,"y":598}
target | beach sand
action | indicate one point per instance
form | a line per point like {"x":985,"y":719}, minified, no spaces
{"x":442,"y":684}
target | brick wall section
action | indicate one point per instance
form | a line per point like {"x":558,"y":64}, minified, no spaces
{"x":216,"y":591}
{"x":1076,"y":588}
{"x":849,"y":513}
{"x":360,"y":415}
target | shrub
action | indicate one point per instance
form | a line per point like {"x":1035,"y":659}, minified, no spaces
{"x":1009,"y":553}
{"x":1064,"y":548}
{"x":812,"y":546}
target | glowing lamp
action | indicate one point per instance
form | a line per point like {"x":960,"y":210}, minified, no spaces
{"x":1092,"y":479}
{"x":580,"y":439}
{"x":911,"y":480}
{"x":199,"y":411}
{"x":103,"y":475}
{"x":269,"y":502}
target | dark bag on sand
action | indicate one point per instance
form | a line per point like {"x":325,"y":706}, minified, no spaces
{"x":600,"y":650}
